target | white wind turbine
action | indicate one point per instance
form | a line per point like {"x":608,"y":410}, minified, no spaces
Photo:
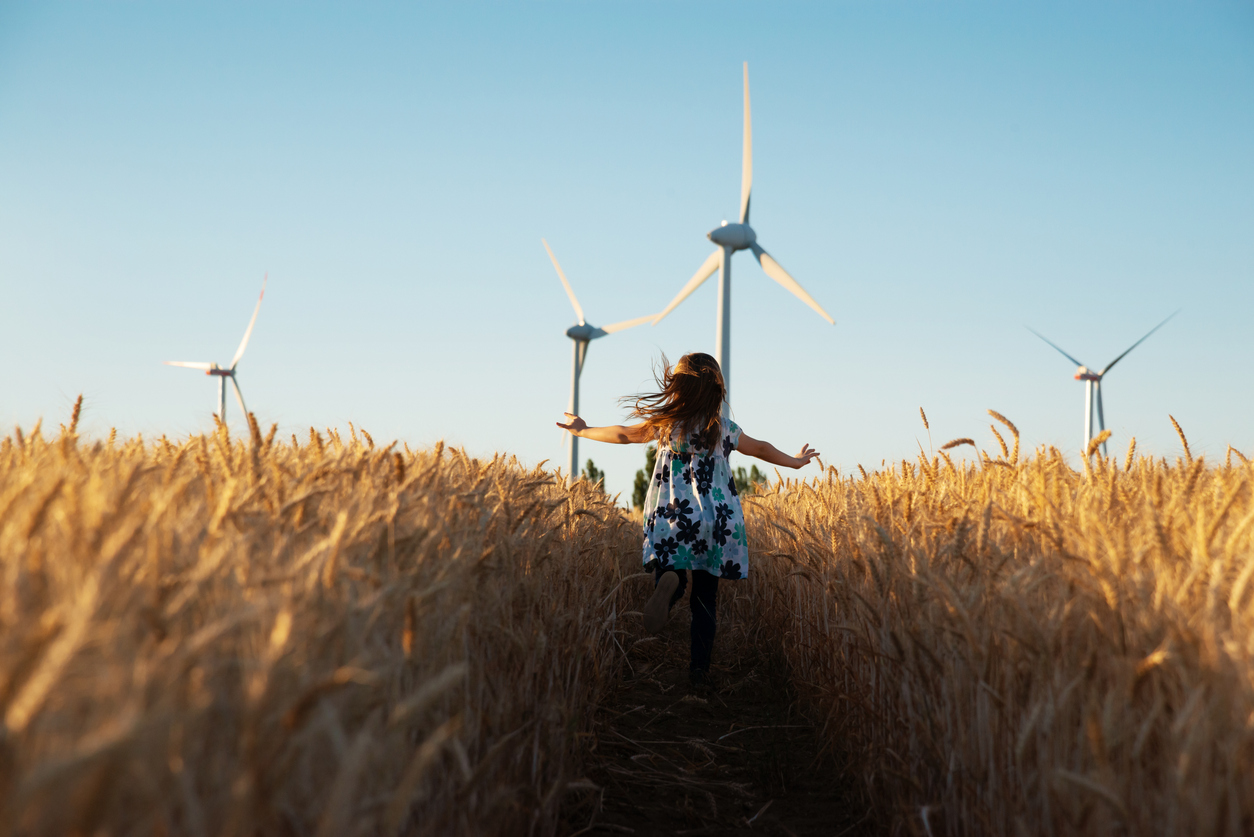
{"x":582,"y":333}
{"x":229,"y":372}
{"x":730,"y":238}
{"x":1093,"y":384}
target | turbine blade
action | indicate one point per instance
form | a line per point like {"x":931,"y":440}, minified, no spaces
{"x":243,"y":344}
{"x":746,"y":165}
{"x":1139,"y":342}
{"x":560,"y":275}
{"x":1055,"y":345}
{"x":202,"y":366}
{"x":781,"y":276}
{"x":239,"y":397}
{"x":625,"y":324}
{"x":703,"y":272}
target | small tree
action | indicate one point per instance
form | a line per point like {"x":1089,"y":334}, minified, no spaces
{"x":748,"y":481}
{"x":641,"y":488}
{"x":594,"y":475}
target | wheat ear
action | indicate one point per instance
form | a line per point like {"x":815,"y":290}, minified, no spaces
{"x":78,"y":409}
{"x":1014,"y":431}
{"x":1188,"y":455}
{"x":1005,"y":451}
{"x":1096,"y":442}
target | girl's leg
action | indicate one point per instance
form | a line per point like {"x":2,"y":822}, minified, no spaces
{"x":704,"y":604}
{"x":679,"y":591}
{"x":668,"y":588}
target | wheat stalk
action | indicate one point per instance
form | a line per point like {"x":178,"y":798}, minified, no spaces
{"x":78,"y":409}
{"x":1095,"y":443}
{"x":1005,"y":451}
{"x":1188,"y":455}
{"x":1014,"y":431}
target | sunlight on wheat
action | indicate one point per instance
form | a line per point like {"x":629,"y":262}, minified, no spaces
{"x":224,"y":636}
{"x":1019,"y":648}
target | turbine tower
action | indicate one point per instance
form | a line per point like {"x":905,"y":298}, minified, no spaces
{"x":229,"y":372}
{"x":582,"y":333}
{"x":1093,"y":384}
{"x":731,"y":238}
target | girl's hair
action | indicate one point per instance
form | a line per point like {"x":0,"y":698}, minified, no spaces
{"x":690,"y":400}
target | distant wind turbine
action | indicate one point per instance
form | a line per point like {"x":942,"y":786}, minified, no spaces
{"x":582,"y":333}
{"x":730,"y":238}
{"x":229,"y":372}
{"x":1093,"y":384}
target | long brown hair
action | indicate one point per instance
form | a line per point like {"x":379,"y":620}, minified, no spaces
{"x":690,"y":399}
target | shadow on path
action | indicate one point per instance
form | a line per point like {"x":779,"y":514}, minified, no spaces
{"x":731,"y":758}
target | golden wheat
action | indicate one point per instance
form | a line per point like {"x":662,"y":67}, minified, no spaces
{"x":1024,"y":649}
{"x":222,"y":636}
{"x":1095,"y":443}
{"x":227,"y":636}
{"x":1014,"y":431}
{"x":1188,"y":454}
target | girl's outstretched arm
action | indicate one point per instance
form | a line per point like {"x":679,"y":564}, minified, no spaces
{"x":769,"y":453}
{"x":615,"y":434}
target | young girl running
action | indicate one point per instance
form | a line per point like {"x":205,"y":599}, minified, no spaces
{"x":693,"y":520}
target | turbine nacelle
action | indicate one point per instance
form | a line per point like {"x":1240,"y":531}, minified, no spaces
{"x":733,"y":236}
{"x":585,"y":331}
{"x":1083,"y":374}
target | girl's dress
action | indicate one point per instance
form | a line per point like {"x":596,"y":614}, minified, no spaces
{"x":693,"y":517}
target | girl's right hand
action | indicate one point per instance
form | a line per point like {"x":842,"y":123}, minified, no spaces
{"x":574,"y":424}
{"x":807,"y":453}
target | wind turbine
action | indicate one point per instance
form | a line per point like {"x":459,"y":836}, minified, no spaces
{"x":730,"y":238}
{"x":582,"y":333}
{"x":229,"y":372}
{"x":1093,"y":384}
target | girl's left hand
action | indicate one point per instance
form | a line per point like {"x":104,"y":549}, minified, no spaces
{"x":807,"y":453}
{"x":574,"y":424}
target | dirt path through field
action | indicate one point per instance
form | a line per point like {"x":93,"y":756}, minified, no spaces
{"x":735,"y":758}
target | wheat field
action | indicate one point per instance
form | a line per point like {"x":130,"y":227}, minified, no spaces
{"x":1017,"y":647}
{"x":242,"y":636}
{"x":327,"y":636}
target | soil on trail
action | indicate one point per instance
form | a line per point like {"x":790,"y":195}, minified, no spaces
{"x":729,"y":758}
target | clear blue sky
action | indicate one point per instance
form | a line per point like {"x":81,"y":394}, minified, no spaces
{"x":938,"y":176}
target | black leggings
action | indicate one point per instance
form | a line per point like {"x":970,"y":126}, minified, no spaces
{"x":703,"y":602}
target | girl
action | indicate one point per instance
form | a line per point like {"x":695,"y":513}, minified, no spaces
{"x":693,"y":520}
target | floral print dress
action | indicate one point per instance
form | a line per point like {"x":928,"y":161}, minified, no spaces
{"x":693,"y":517}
